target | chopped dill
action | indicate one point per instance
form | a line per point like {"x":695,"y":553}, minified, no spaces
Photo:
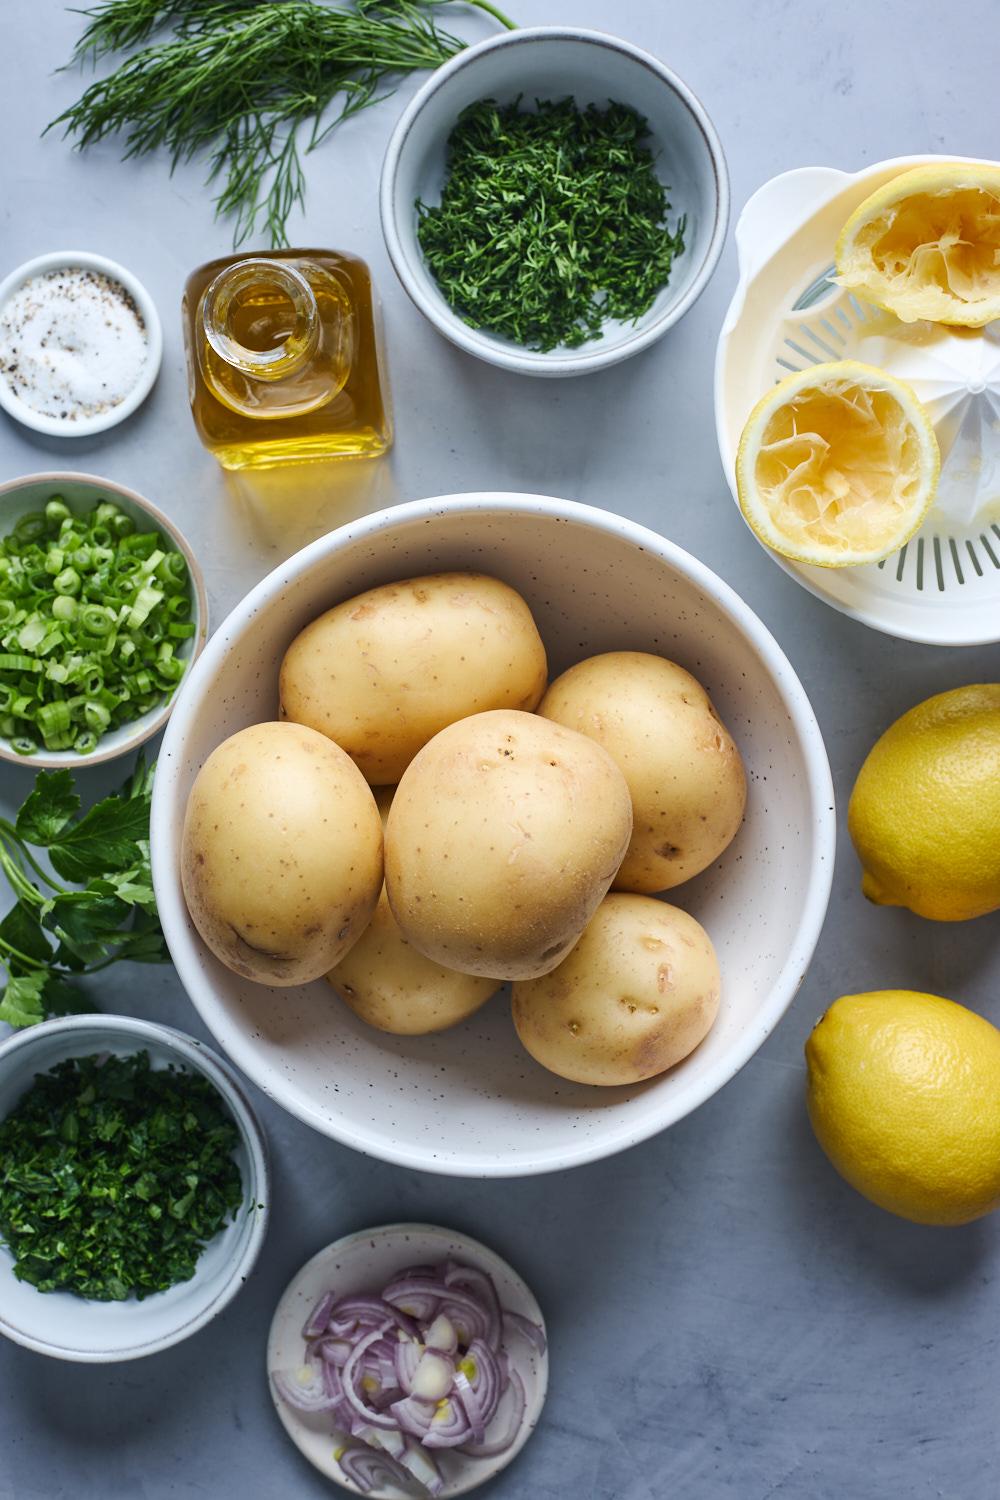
{"x":552,"y":222}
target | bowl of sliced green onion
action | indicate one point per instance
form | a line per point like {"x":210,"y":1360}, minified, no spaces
{"x":554,"y":199}
{"x":102,"y":611}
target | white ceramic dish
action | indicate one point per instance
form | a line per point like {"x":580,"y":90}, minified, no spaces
{"x":366,"y":1262}
{"x":70,"y":1327}
{"x":943,"y":587}
{"x":85,"y":426}
{"x":82,"y":492}
{"x":469,"y":1101}
{"x":553,"y":62}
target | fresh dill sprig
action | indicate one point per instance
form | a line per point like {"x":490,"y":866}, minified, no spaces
{"x":236,"y":80}
{"x":552,"y":221}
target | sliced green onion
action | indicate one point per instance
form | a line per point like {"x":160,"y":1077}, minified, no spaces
{"x":90,"y":613}
{"x":67,"y":582}
{"x":53,"y":720}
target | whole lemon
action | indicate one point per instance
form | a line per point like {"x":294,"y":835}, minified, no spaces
{"x":924,"y":815}
{"x":903,"y":1093}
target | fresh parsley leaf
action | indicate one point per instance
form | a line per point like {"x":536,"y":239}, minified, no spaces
{"x":104,"y":839}
{"x":22,"y":931}
{"x":22,"y":1003}
{"x":46,"y":811}
{"x":108,"y":914}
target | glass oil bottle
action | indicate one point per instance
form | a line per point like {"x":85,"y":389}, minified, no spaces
{"x":285,"y":360}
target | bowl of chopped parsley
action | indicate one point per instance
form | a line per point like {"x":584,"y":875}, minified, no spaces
{"x":133,"y":1187}
{"x":102,"y":611}
{"x":554,"y":199}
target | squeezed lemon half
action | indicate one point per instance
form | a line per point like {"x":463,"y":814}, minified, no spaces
{"x":903,"y":1093}
{"x":927,"y":245}
{"x":837,"y":465}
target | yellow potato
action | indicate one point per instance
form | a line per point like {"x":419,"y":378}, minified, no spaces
{"x":504,"y":834}
{"x":381,"y":673}
{"x":387,"y":983}
{"x":636,"y":994}
{"x":683,"y":769}
{"x":281,"y":853}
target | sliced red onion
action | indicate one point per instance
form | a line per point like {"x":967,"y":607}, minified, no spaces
{"x":532,"y":1331}
{"x":434,"y":1376}
{"x":351,"y":1376}
{"x":304,"y":1395}
{"x":316,"y":1322}
{"x":470,"y":1405}
{"x":423,"y":1466}
{"x":480,"y":1284}
{"x":441,"y":1335}
{"x":369,"y":1467}
{"x":419,"y":1369}
{"x":441,"y":1424}
{"x":408,"y":1353}
{"x":425,"y":1300}
{"x":334,"y":1351}
{"x":481,"y":1370}
{"x":501,"y":1443}
{"x":450,"y":1427}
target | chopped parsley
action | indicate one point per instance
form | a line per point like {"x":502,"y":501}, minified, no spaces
{"x":114,"y":1176}
{"x":551,"y":222}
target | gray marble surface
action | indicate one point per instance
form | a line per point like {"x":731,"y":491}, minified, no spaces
{"x":728,"y":1318}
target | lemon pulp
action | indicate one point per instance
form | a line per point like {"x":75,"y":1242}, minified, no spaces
{"x":926,"y":245}
{"x":837,"y":465}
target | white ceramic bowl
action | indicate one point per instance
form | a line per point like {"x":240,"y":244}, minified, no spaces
{"x":82,"y":492}
{"x":65,"y":260}
{"x":70,"y":1327}
{"x":366,"y":1262}
{"x":470,"y":1101}
{"x":551,"y":63}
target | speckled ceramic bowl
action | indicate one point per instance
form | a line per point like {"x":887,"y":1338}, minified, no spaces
{"x":470,"y":1101}
{"x":78,"y":361}
{"x":555,"y":63}
{"x":365,"y":1262}
{"x":82,"y":492}
{"x":70,"y":1327}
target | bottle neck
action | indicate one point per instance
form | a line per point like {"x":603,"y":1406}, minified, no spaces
{"x":275,"y":336}
{"x":260,"y":317}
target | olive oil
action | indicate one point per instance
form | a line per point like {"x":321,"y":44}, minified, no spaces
{"x":285,"y":360}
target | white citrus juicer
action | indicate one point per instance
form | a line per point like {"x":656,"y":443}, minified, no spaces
{"x":943,"y":587}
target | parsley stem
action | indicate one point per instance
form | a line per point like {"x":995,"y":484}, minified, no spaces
{"x":6,"y":831}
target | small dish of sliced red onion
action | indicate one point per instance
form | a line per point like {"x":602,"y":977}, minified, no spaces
{"x":408,"y":1361}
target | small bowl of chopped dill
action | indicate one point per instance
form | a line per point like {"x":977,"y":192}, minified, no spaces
{"x":102,"y":611}
{"x":554,"y":199}
{"x":134,"y":1188}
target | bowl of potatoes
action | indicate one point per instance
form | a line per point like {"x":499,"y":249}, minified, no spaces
{"x":492,"y":834}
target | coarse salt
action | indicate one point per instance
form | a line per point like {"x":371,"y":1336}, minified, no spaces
{"x":72,"y":343}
